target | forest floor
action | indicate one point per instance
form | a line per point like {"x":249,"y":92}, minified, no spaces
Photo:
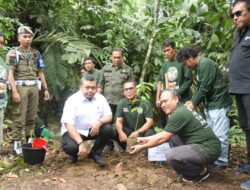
{"x":122,"y":172}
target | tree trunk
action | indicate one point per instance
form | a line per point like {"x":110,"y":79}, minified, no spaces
{"x":151,"y":42}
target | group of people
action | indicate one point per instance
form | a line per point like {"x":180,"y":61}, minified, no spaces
{"x":198,"y":145}
{"x":107,"y":107}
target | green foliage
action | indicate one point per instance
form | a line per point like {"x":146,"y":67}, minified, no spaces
{"x":144,"y":90}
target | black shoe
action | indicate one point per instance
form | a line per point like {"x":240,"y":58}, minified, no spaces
{"x":97,"y":158}
{"x":73,"y":159}
{"x":108,"y":148}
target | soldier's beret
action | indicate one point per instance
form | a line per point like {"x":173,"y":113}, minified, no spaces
{"x":24,"y":30}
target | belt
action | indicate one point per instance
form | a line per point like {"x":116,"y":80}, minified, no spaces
{"x":26,"y":82}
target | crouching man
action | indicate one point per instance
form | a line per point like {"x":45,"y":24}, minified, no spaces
{"x":86,"y":115}
{"x":199,"y":147}
{"x":134,"y":116}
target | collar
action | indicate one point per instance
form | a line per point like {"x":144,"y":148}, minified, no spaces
{"x":83,"y":98}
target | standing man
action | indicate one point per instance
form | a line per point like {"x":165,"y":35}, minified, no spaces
{"x":199,"y":147}
{"x":111,"y":82}
{"x":89,"y":69}
{"x":134,"y":116}
{"x":173,"y":75}
{"x":212,"y":90}
{"x":86,"y":116}
{"x":239,"y":71}
{"x":26,"y":65}
{"x":3,"y":89}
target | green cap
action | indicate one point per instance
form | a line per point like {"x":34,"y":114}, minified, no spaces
{"x":24,"y":30}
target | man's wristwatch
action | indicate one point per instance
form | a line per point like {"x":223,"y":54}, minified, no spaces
{"x":80,"y":143}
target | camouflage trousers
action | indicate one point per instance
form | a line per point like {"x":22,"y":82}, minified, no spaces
{"x":24,"y":112}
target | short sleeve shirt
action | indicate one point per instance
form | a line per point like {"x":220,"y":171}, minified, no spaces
{"x":175,"y":76}
{"x":95,"y":74}
{"x":111,"y":81}
{"x":134,"y":113}
{"x":82,"y":112}
{"x":193,"y":129}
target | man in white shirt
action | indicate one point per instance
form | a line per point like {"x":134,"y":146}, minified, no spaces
{"x":86,"y":116}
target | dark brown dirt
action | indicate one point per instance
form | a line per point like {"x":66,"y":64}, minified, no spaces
{"x":121,"y":172}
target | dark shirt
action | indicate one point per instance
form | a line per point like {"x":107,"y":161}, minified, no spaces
{"x":239,"y":68}
{"x":212,"y":89}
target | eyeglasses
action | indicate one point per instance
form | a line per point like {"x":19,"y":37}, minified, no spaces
{"x":237,"y":13}
{"x":129,"y":89}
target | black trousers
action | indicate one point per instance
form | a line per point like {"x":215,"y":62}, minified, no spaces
{"x":128,"y":132}
{"x":70,"y":147}
{"x":243,"y":106}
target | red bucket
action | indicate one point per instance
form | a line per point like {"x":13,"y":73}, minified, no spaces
{"x":40,"y":143}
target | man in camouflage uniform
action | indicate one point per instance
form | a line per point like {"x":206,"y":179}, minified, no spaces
{"x":26,"y":66}
{"x":111,"y":82}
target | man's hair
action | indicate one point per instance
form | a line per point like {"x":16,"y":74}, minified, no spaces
{"x":89,"y":58}
{"x":242,"y":1}
{"x":1,"y":33}
{"x":173,"y":92}
{"x":168,"y":43}
{"x":119,"y":50}
{"x":186,"y":53}
{"x":86,"y":78}
{"x":130,"y":81}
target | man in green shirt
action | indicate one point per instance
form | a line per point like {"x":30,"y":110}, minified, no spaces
{"x":200,"y":145}
{"x":134,"y":116}
{"x":111,"y":82}
{"x":213,"y":92}
{"x":89,"y":69}
{"x":173,"y":75}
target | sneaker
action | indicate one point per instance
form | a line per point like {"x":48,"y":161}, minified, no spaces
{"x":200,"y":178}
{"x":18,"y":148}
{"x":245,"y":185}
{"x":216,"y":168}
{"x":244,"y":168}
{"x":73,"y":159}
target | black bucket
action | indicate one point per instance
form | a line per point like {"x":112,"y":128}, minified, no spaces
{"x":31,"y":155}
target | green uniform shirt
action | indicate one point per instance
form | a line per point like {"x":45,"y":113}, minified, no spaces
{"x":174,"y":75}
{"x":193,"y":129}
{"x":95,"y":74}
{"x":134,"y":113}
{"x":3,"y":79}
{"x":211,"y":86}
{"x":111,"y":81}
{"x":25,"y":65}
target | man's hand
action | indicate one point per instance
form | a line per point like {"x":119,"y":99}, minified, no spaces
{"x":95,"y":128}
{"x":134,"y":134}
{"x":136,"y":149}
{"x":123,"y":137}
{"x":16,"y":97}
{"x":142,"y":140}
{"x":46,"y":95}
{"x":189,"y":104}
{"x":83,"y":151}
